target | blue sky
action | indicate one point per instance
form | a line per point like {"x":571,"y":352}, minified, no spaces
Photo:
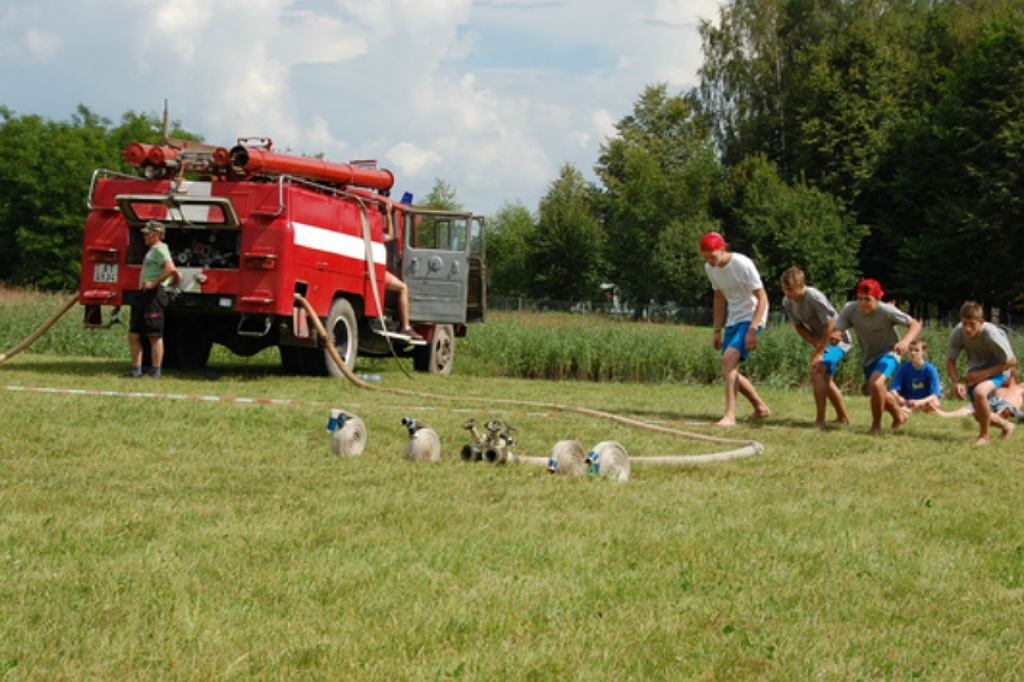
{"x":492,"y":97}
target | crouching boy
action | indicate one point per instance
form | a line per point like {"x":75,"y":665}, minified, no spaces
{"x":989,"y":360}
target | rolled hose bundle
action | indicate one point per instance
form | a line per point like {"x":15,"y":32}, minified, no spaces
{"x":609,"y":459}
{"x":423,"y":444}
{"x":349,"y":434}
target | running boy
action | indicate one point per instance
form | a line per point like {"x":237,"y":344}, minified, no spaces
{"x":874,"y":324}
{"x":814,"y":319}
{"x":989,"y":360}
{"x":916,"y":386}
{"x":737,"y":285}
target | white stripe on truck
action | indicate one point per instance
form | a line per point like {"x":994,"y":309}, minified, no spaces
{"x":329,"y":241}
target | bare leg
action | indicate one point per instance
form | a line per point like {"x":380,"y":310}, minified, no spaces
{"x":156,"y":351}
{"x":400,"y":287}
{"x":820,"y":381}
{"x":894,"y":408}
{"x":983,"y":412}
{"x":881,"y":401}
{"x":835,"y":396}
{"x":135,"y":343}
{"x":730,"y":375}
{"x":761,"y":410}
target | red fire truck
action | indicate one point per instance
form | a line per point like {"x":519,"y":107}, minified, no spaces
{"x":253,"y":233}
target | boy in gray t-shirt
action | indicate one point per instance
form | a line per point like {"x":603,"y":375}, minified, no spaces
{"x":874,"y":324}
{"x":989,"y":360}
{"x":814,"y":319}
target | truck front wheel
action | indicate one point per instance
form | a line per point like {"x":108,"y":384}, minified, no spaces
{"x":438,"y":356}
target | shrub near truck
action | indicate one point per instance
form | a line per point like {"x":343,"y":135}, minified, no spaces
{"x":253,"y":232}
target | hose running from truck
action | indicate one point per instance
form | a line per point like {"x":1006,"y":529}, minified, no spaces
{"x":748,"y":448}
{"x":45,"y":327}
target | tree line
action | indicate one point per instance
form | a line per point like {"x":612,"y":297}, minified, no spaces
{"x":45,"y":170}
{"x":847,"y":137}
{"x":851,"y":138}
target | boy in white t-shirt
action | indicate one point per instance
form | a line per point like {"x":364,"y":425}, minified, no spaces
{"x":738,"y":291}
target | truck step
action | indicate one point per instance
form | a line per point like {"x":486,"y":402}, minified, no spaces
{"x":401,"y":337}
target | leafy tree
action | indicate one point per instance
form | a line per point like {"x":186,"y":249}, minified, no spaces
{"x":659,"y":173}
{"x":962,"y":190}
{"x":510,"y":235}
{"x":44,"y":178}
{"x":566,"y":252}
{"x":43,"y":184}
{"x":442,"y":197}
{"x":781,"y":226}
{"x":676,"y":257}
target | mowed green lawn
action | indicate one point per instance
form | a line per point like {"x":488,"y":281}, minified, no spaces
{"x":190,"y":529}
{"x":174,"y":535}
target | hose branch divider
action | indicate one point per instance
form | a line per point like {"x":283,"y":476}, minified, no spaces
{"x":34,"y":336}
{"x":747,"y":448}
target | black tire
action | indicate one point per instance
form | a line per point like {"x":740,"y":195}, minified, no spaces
{"x":438,"y":356}
{"x":292,"y":360}
{"x":194,"y":343}
{"x":187,"y":343}
{"x":343,"y":334}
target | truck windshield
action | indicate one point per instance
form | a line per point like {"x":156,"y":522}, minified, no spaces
{"x":443,"y":232}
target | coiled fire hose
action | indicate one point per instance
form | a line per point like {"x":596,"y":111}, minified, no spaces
{"x":748,"y":448}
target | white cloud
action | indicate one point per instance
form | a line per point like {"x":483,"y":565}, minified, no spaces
{"x":492,"y":96}
{"x":411,"y":160}
{"x":42,"y":45}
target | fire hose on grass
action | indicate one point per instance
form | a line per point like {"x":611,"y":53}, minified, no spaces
{"x":746,"y":448}
{"x":34,"y":336}
{"x":567,"y":457}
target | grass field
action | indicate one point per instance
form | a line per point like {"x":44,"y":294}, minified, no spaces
{"x":177,"y":530}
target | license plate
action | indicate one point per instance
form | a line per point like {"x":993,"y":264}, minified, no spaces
{"x":105,"y":272}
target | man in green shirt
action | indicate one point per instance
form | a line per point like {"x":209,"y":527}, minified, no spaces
{"x":148,"y":311}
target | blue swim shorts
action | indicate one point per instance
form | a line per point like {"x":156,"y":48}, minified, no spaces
{"x":736,"y":336}
{"x":886,"y":364}
{"x":997,"y":381}
{"x":831,"y":358}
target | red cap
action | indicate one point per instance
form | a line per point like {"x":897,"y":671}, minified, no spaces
{"x":712,"y":241}
{"x":870,"y":287}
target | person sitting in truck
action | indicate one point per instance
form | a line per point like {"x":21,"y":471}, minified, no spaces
{"x":393,"y":282}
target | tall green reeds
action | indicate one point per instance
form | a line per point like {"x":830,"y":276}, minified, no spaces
{"x":531,"y":345}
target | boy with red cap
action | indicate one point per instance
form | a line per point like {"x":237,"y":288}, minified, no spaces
{"x":874,"y":324}
{"x":738,"y":290}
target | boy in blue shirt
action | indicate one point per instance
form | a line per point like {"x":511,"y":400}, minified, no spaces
{"x":916,"y":386}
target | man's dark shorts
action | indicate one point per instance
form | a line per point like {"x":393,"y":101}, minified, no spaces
{"x":148,"y":313}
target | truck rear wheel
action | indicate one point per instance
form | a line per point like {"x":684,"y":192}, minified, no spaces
{"x":187,"y":343}
{"x":194,"y":344}
{"x":292,"y":360}
{"x":343,"y":334}
{"x":438,"y":356}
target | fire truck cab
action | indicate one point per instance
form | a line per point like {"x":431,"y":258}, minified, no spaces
{"x":254,"y":233}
